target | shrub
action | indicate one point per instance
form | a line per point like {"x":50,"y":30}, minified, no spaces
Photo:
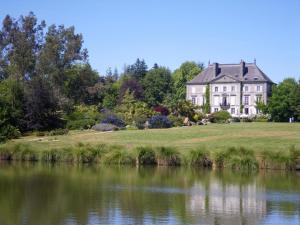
{"x":139,"y":122}
{"x":280,"y":160}
{"x":146,"y":156}
{"x":41,"y":133}
{"x":168,"y":156}
{"x":52,"y":155}
{"x":82,"y":117}
{"x":261,"y":118}
{"x":29,"y":155}
{"x":86,"y":155}
{"x":105,"y":127}
{"x":118,"y":156}
{"x":9,"y":132}
{"x":18,"y":152}
{"x":159,"y":122}
{"x":246,"y":119}
{"x":80,"y":124}
{"x":162,"y":110}
{"x":198,"y":117}
{"x":58,"y":132}
{"x":219,"y":117}
{"x":176,"y":121}
{"x":113,"y":119}
{"x":238,"y":159}
{"x":199,"y":157}
{"x":80,"y":154}
{"x":235,"y":119}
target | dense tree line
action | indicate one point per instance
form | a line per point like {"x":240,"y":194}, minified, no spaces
{"x":44,"y":73}
{"x":46,"y":82}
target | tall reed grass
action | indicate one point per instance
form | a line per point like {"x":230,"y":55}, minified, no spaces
{"x":235,"y":158}
{"x":280,"y":160}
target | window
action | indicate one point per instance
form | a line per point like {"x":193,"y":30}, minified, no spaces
{"x":232,"y":110}
{"x":216,"y":89}
{"x":246,"y":100}
{"x":194,"y":100}
{"x":216,"y":109}
{"x":246,"y":88}
{"x":232,"y":88}
{"x":224,"y":88}
{"x":257,"y":88}
{"x":258,"y":98}
{"x":246,"y":111}
{"x":224,"y":101}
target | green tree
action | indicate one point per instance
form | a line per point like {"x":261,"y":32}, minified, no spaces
{"x":131,"y":109}
{"x":157,"y":84}
{"x":11,"y":113}
{"x":34,"y":67}
{"x":111,"y":97}
{"x":61,"y":50}
{"x":284,"y":102}
{"x":41,"y":105}
{"x":78,"y":79}
{"x":137,"y":70}
{"x":20,"y":42}
{"x":183,"y":74}
{"x":206,"y":106}
{"x":184,"y":108}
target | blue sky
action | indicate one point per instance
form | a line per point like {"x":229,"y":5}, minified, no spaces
{"x":170,"y":32}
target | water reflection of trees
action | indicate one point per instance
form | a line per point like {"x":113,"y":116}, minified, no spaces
{"x":90,"y":194}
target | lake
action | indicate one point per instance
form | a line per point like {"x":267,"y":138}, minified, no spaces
{"x":45,"y":194}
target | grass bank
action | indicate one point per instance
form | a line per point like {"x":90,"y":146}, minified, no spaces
{"x":233,"y":158}
{"x":238,"y":146}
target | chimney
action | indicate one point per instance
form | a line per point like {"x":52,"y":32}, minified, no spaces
{"x":215,"y":69}
{"x":242,"y":67}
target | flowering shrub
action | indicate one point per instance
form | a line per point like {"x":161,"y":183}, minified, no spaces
{"x":162,"y":110}
{"x":159,"y":122}
{"x":112,"y":119}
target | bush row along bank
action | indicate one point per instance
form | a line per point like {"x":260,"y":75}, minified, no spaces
{"x":234,"y":158}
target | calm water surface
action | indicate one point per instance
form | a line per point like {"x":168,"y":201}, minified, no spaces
{"x":37,"y":194}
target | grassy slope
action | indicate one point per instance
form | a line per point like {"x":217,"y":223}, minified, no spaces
{"x":256,"y":136}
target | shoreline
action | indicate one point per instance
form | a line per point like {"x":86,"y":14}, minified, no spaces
{"x":233,"y":158}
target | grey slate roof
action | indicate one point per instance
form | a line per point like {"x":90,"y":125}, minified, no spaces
{"x":252,"y":74}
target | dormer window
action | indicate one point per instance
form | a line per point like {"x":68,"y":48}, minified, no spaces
{"x":255,"y":78}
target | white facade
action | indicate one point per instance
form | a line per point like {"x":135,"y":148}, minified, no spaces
{"x":240,"y":98}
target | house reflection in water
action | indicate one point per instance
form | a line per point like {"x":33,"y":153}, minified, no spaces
{"x":219,"y":203}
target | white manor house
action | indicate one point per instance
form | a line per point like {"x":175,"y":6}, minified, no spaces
{"x":232,"y":87}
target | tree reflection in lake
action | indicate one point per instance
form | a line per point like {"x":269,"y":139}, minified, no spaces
{"x":69,"y":194}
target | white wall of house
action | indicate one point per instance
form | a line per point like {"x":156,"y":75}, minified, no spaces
{"x":251,"y":93}
{"x":196,"y":94}
{"x":230,"y":91}
{"x":236,"y":93}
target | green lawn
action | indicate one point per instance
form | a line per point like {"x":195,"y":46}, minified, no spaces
{"x":256,"y":136}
